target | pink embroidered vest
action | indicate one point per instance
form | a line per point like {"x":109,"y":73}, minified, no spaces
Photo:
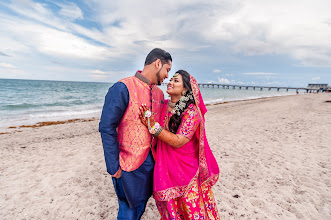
{"x":133,"y":136}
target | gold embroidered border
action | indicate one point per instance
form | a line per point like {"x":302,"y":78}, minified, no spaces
{"x":179,"y":191}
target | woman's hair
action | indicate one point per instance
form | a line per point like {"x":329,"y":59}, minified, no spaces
{"x":176,"y":119}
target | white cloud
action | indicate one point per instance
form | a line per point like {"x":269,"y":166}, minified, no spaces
{"x":3,"y":54}
{"x":31,"y":10}
{"x":275,"y":83}
{"x":7,"y":65}
{"x":299,"y":29}
{"x":70,"y":10}
{"x":206,"y":32}
{"x":11,"y":72}
{"x":97,"y":72}
{"x":260,"y":74}
{"x":223,"y":80}
{"x":316,"y":78}
{"x":58,"y":43}
{"x":97,"y":76}
{"x":51,"y":41}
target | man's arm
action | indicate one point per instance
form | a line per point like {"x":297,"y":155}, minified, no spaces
{"x":116,"y":102}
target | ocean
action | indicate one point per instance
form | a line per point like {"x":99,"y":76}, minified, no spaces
{"x":26,"y":102}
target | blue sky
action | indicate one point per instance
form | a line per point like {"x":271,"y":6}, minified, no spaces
{"x":251,"y":42}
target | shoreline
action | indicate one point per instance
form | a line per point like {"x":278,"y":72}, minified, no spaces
{"x":10,"y":129}
{"x":48,"y":123}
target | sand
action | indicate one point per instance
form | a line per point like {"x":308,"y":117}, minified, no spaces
{"x":274,"y":156}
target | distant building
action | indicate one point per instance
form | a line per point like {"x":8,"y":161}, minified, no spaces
{"x":322,"y":87}
{"x":317,"y":86}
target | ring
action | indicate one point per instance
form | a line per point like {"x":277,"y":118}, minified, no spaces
{"x":147,"y":114}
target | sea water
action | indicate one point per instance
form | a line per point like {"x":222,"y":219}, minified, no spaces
{"x":26,"y":102}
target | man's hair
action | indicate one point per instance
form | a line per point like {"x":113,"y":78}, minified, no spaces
{"x":158,"y":53}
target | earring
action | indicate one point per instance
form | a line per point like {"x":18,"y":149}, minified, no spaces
{"x":183,"y":93}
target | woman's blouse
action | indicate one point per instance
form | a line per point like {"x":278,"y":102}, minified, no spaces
{"x":190,"y":122}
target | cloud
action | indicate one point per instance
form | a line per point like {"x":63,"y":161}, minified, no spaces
{"x":260,"y":74}
{"x":55,"y":62}
{"x":53,"y":42}
{"x":110,"y":34}
{"x":58,"y":43}
{"x":97,"y":76}
{"x":278,"y":83}
{"x":3,"y":54}
{"x":98,"y":72}
{"x":254,"y":28}
{"x":11,"y":72}
{"x":298,"y":29}
{"x":223,"y":80}
{"x":7,"y":65}
{"x":70,"y":10}
{"x":316,"y":78}
{"x":250,"y":28}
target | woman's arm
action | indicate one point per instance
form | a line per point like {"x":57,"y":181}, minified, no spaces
{"x":175,"y":140}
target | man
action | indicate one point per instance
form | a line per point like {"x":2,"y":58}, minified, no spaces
{"x":126,"y":141}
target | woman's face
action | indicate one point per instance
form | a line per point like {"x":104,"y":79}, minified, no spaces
{"x":176,"y":86}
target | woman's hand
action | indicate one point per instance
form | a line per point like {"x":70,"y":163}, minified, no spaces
{"x":175,"y":140}
{"x":143,"y":108}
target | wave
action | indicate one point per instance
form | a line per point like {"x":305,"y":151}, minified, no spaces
{"x":20,"y":106}
{"x":30,"y":119}
{"x":26,"y":106}
{"x":215,"y":101}
{"x":65,"y":113}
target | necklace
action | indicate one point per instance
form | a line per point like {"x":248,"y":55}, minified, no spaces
{"x":171,"y":104}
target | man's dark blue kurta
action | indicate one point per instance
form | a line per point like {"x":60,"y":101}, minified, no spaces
{"x":138,"y":184}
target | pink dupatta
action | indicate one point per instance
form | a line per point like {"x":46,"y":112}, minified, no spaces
{"x":177,"y":168}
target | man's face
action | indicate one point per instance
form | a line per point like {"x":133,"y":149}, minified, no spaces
{"x":163,"y":72}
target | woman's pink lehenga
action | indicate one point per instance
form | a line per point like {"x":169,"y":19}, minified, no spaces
{"x":183,"y":176}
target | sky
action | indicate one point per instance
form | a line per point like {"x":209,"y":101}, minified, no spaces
{"x":244,"y":42}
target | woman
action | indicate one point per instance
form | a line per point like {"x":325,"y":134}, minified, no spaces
{"x":185,"y":168}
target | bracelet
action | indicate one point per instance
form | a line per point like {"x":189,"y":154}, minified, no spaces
{"x":158,"y":132}
{"x":156,"y":129}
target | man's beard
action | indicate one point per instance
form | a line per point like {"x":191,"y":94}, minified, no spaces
{"x":158,"y":78}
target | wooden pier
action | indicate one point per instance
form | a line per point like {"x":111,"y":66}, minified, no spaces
{"x":228,"y":86}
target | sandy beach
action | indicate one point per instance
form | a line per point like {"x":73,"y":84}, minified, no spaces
{"x":274,"y":156}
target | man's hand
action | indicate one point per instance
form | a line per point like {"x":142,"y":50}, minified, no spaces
{"x":118,"y":174}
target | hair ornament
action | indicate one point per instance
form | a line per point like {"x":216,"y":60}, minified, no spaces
{"x":182,"y":103}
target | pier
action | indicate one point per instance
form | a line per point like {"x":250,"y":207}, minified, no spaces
{"x":240,"y":87}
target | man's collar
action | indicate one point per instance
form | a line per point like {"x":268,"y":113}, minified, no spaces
{"x":142,"y":78}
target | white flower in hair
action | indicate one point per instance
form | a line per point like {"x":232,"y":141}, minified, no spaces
{"x":182,"y":103}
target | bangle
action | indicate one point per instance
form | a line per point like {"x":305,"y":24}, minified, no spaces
{"x":158,"y":132}
{"x":156,"y":129}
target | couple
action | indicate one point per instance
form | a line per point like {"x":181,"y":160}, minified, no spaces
{"x":156,"y":146}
